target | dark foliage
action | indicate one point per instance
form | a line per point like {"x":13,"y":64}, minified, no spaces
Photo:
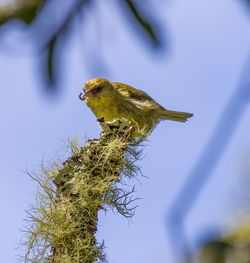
{"x":47,"y":30}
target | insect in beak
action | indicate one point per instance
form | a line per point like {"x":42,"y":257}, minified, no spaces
{"x":83,"y":96}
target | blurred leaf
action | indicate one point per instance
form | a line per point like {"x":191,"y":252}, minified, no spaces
{"x":46,"y":32}
{"x":59,"y":33}
{"x":246,"y":4}
{"x":214,"y":252}
{"x":29,"y":12}
{"x":51,"y":62}
{"x":144,"y":23}
{"x":25,"y":10}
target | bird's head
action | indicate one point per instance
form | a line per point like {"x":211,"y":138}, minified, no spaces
{"x":96,"y":89}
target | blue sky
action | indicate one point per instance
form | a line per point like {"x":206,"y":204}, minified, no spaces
{"x":209,"y":43}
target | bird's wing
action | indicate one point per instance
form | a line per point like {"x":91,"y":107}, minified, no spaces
{"x":140,"y":98}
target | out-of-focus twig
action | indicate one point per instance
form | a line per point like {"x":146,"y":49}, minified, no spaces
{"x":206,"y":164}
{"x":48,"y":35}
{"x":147,"y":24}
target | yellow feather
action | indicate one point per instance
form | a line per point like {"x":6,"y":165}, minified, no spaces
{"x":112,"y":100}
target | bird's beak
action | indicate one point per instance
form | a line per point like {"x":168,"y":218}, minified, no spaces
{"x":83,"y":96}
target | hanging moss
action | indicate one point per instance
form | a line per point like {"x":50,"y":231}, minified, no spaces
{"x":62,"y":225}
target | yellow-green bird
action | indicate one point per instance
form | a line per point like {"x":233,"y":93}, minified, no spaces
{"x":114,"y":100}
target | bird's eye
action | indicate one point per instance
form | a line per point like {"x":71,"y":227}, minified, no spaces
{"x":96,"y":90}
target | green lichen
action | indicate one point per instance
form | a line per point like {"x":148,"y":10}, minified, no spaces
{"x":62,"y":225}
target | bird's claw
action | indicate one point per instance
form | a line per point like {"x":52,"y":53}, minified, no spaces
{"x":120,"y":125}
{"x":101,"y":119}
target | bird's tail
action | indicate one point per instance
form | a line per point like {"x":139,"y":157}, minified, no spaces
{"x":176,"y":115}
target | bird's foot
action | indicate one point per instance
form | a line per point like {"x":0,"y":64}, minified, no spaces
{"x":120,"y":126}
{"x":101,"y":119}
